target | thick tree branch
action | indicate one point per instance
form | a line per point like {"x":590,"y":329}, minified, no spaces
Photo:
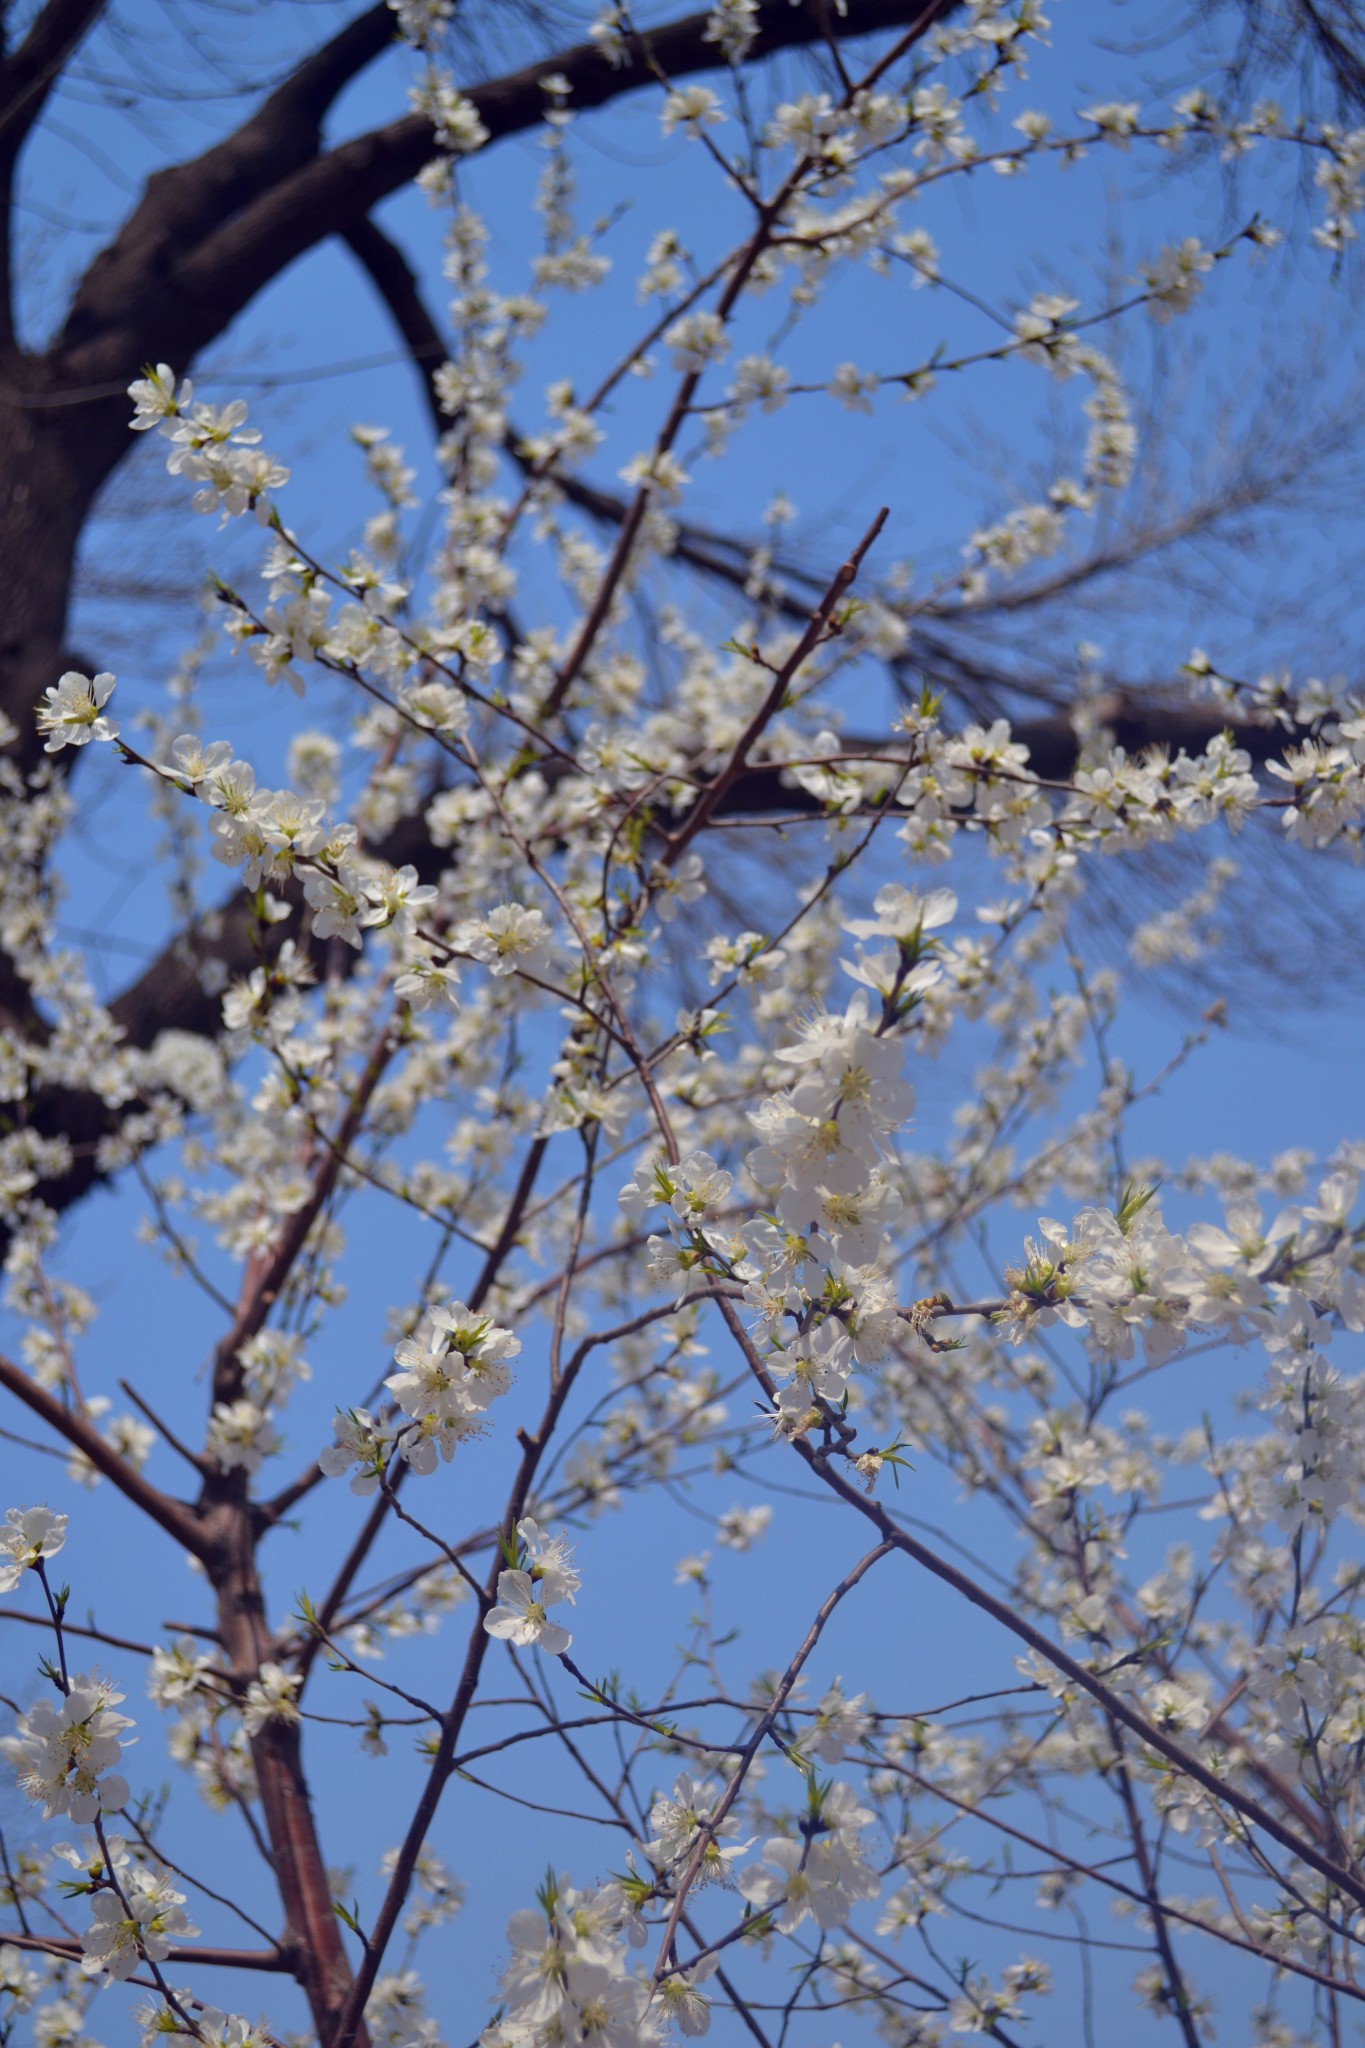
{"x":27,"y":77}
{"x":210,"y":234}
{"x":394,"y":278}
{"x":188,"y":202}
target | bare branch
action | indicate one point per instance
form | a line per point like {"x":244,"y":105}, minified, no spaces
{"x":169,"y":1514}
{"x":396,"y":282}
{"x":267,"y":1959}
{"x":27,"y":78}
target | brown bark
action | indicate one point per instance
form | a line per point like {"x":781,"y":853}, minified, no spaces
{"x":46,"y":492}
{"x":219,"y":229}
{"x":312,"y":1942}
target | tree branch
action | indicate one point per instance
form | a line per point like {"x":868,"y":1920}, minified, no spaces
{"x":817,"y":1461}
{"x":187,"y":202}
{"x":214,"y":1958}
{"x":27,"y":78}
{"x":394,"y":278}
{"x":169,"y":1514}
{"x":210,"y":234}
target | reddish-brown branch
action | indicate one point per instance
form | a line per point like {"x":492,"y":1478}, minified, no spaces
{"x":174,"y":1516}
{"x":213,"y":1958}
{"x":312,"y":1942}
{"x":817,"y":629}
{"x":381,"y":1934}
{"x":313,"y":1938}
{"x":265,"y":1289}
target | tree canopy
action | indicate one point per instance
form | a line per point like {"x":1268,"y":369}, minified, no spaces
{"x":689,"y":1214}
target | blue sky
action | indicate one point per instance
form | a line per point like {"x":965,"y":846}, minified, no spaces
{"x":1286,"y":1072}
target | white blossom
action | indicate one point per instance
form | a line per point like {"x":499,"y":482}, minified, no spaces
{"x":30,"y":1536}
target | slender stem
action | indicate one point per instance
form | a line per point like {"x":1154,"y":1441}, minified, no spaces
{"x":707,"y":1832}
{"x":1009,"y":1617}
{"x":263,"y":1959}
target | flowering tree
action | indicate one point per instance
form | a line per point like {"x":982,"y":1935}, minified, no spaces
{"x":590,"y":1020}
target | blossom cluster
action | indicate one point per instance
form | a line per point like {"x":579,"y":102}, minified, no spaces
{"x":64,"y":1755}
{"x":546,"y":1574}
{"x":567,"y":1976}
{"x":211,"y":445}
{"x":453,"y":1368}
{"x":581,"y":895}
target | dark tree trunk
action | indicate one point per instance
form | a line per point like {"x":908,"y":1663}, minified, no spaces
{"x":48,"y":483}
